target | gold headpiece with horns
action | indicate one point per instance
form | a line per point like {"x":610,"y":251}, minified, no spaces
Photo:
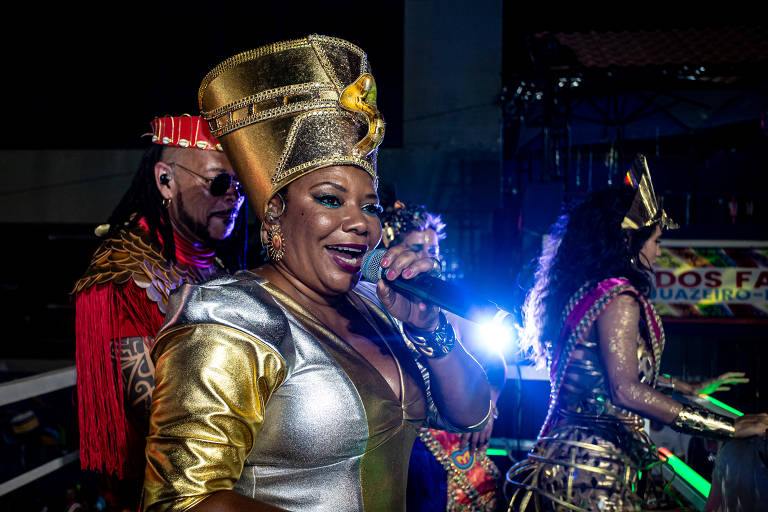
{"x":289,"y":108}
{"x":645,"y":209}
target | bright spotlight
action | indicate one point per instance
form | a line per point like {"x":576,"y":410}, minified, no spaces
{"x":495,"y":335}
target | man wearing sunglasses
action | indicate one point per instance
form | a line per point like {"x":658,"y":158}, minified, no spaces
{"x":179,"y":222}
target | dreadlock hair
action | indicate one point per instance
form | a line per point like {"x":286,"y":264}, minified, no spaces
{"x":143,"y":200}
{"x":585,"y":245}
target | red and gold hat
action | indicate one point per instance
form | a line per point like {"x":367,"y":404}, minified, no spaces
{"x":184,"y":132}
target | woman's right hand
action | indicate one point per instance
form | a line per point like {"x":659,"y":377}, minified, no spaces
{"x":400,"y":261}
{"x":751,"y":425}
{"x":719,"y":383}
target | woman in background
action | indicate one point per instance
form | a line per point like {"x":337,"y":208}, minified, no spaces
{"x":588,"y":318}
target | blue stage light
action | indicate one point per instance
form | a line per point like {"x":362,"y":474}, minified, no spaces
{"x":496,"y":336}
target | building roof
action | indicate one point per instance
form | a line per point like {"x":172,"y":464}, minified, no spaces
{"x":690,"y":46}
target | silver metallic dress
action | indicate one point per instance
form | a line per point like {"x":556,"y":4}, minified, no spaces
{"x":254,"y":394}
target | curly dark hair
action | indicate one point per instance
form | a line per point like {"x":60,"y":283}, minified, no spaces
{"x":143,"y":200}
{"x":405,"y":217}
{"x":585,"y":245}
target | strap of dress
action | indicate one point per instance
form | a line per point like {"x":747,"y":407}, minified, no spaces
{"x":582,"y":310}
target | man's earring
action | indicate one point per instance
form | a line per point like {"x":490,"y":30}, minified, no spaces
{"x":166,"y":202}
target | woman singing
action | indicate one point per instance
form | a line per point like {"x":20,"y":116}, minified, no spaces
{"x":588,"y":318}
{"x":293,"y":386}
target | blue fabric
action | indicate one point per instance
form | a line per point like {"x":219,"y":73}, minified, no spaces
{"x":427,"y":489}
{"x":741,"y":472}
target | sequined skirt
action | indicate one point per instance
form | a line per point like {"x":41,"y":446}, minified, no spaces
{"x":582,"y":464}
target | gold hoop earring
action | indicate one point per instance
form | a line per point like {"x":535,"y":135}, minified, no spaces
{"x":275,"y":243}
{"x":166,"y":202}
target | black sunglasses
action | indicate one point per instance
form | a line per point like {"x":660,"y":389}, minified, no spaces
{"x":218,"y":185}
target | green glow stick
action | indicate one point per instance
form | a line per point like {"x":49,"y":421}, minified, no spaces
{"x":685,"y":472}
{"x":496,"y":451}
{"x":721,"y":405}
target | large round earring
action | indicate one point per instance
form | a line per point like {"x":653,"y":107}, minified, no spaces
{"x":275,"y":243}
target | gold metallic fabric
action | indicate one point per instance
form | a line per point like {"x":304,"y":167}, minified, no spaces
{"x":696,"y":420}
{"x":582,"y":465}
{"x":212,"y":384}
{"x":289,"y":108}
{"x":131,"y":254}
{"x":645,"y":209}
{"x":255,"y":395}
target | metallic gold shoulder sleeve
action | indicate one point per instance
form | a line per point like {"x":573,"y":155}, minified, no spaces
{"x":212,"y":384}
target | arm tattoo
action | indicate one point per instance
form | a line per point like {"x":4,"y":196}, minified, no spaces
{"x":138,"y":375}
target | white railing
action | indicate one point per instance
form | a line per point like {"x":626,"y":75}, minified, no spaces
{"x":39,"y":472}
{"x":28,"y":387}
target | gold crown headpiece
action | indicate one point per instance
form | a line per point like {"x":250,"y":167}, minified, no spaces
{"x":289,"y":108}
{"x":645,"y":209}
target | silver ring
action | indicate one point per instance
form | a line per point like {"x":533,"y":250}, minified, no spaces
{"x":437,"y":268}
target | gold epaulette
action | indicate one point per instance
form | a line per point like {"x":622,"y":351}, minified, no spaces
{"x":131,"y":254}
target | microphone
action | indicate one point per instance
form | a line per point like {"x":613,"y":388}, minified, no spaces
{"x":447,"y":296}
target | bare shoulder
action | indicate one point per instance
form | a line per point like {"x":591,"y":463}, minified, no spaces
{"x":625,"y":302}
{"x":620,"y":318}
